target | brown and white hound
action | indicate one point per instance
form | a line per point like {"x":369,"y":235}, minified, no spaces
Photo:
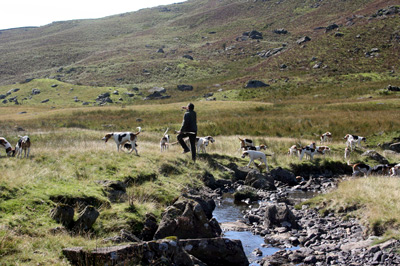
{"x":9,"y":150}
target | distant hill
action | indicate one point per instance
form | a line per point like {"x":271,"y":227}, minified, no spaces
{"x":209,"y":42}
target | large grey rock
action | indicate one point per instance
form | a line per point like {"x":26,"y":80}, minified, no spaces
{"x":86,"y":219}
{"x":169,"y":252}
{"x":284,"y":176}
{"x":186,"y":218}
{"x":303,"y":40}
{"x":256,"y":84}
{"x":259,"y":181}
{"x":157,"y":89}
{"x":277,"y":214}
{"x":216,"y":251}
{"x":185,"y":87}
{"x":375,"y":156}
{"x":63,"y":214}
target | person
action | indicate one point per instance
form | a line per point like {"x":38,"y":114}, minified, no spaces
{"x":188,"y":129}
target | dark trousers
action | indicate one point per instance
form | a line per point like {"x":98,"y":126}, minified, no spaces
{"x":192,"y":139}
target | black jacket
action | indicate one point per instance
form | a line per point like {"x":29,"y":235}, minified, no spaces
{"x":189,"y":123}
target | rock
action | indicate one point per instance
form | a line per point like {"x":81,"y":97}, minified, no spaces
{"x":157,"y":89}
{"x":339,"y":34}
{"x":2,"y":96}
{"x":375,"y":156}
{"x":63,"y":214}
{"x":395,"y":147}
{"x":303,"y":40}
{"x":255,"y":35}
{"x":124,"y":236}
{"x":185,"y":87}
{"x":240,"y":172}
{"x":86,"y":219}
{"x":284,"y":176}
{"x":45,"y":101}
{"x":188,"y":57}
{"x":216,"y":251}
{"x":185,"y":219}
{"x":259,"y":181}
{"x":245,"y":192}
{"x":331,"y":27}
{"x":169,"y":252}
{"x":389,"y":88}
{"x":280,"y":31}
{"x":255,"y":84}
{"x":276,"y":214}
{"x":54,"y":85}
{"x":115,"y":190}
{"x":161,"y":51}
{"x":150,"y":227}
{"x":156,"y":96}
{"x":35,"y":91}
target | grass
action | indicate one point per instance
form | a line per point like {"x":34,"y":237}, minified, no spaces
{"x":67,"y":163}
{"x":372,"y":200}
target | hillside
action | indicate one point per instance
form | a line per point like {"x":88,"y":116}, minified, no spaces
{"x":123,"y":50}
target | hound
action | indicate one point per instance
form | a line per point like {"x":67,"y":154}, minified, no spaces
{"x":246,"y":143}
{"x":353,"y":140}
{"x":9,"y":150}
{"x":202,"y":143}
{"x":381,"y":169}
{"x":326,"y":137}
{"x":121,"y":138}
{"x":255,"y":148}
{"x":395,"y":170}
{"x":360,"y":168}
{"x":323,"y":149}
{"x":309,"y":150}
{"x":256,"y":155}
{"x":23,"y":144}
{"x":164,"y":141}
{"x":293,"y":150}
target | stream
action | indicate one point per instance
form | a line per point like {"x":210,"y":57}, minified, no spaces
{"x":228,"y":211}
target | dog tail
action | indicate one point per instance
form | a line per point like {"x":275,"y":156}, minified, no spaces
{"x":140,"y":130}
{"x":166,"y":131}
{"x":174,"y":143}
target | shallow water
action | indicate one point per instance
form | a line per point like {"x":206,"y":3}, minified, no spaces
{"x":228,"y":211}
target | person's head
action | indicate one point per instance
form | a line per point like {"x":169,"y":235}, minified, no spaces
{"x":190,"y":106}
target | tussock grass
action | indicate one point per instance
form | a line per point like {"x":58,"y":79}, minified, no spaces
{"x":373,"y":200}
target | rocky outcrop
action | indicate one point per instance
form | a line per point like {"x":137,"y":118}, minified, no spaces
{"x":185,"y":87}
{"x":256,"y":84}
{"x":284,"y":176}
{"x":186,"y":218}
{"x":146,"y":253}
{"x":375,"y":156}
{"x":86,"y":219}
{"x":216,"y":251}
{"x":259,"y":181}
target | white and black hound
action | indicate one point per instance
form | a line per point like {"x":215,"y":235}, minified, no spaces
{"x":255,"y":148}
{"x":245,"y":143}
{"x":203,"y":142}
{"x":23,"y":144}
{"x":121,"y":138}
{"x":309,"y":150}
{"x":353,"y":140}
{"x":164,"y":141}
{"x":9,"y":150}
{"x":256,"y":155}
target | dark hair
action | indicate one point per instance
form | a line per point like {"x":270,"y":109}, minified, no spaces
{"x":191,"y":106}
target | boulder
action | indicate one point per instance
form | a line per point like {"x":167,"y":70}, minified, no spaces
{"x":115,"y":190}
{"x":303,"y":40}
{"x":255,"y":35}
{"x":331,"y":27}
{"x":284,"y":176}
{"x":259,"y":181}
{"x":2,"y":96}
{"x":216,"y":251}
{"x":157,"y":89}
{"x":186,"y":218}
{"x":280,"y":31}
{"x":395,"y":147}
{"x":255,"y":84}
{"x":63,"y":214}
{"x":375,"y":156}
{"x":35,"y":91}
{"x":277,"y":214}
{"x":45,"y":101}
{"x":149,"y":227}
{"x":389,"y":88}
{"x":169,"y":252}
{"x":185,"y":87}
{"x":86,"y":219}
{"x":240,"y":172}
{"x":188,"y":57}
